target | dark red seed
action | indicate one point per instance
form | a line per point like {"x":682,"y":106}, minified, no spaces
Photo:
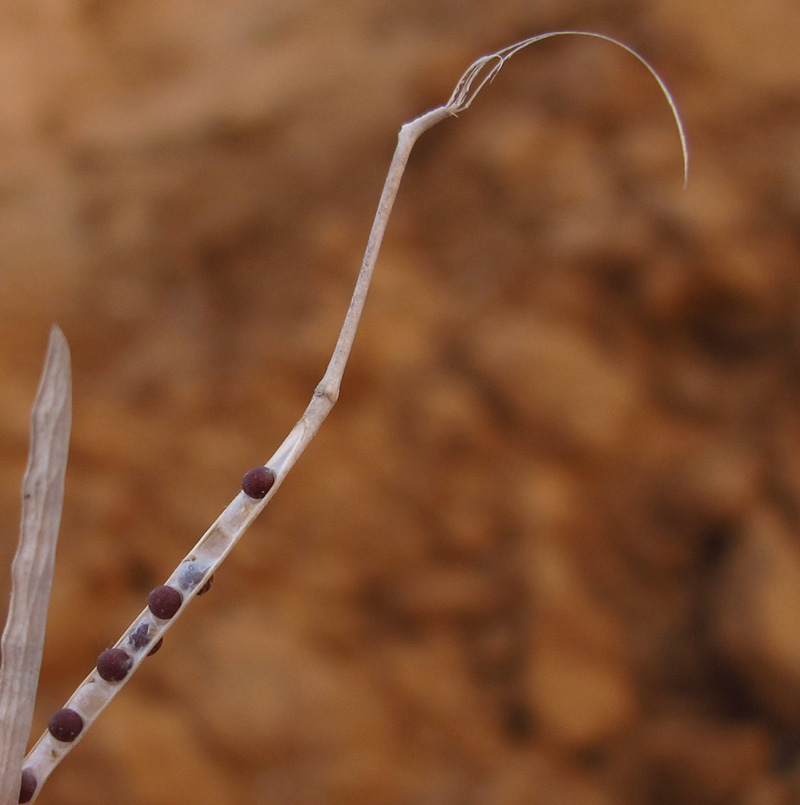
{"x":156,"y":647}
{"x":207,"y":586}
{"x":28,"y":785}
{"x":258,"y":482}
{"x":113,"y":664}
{"x":165,"y":601}
{"x":65,"y":725}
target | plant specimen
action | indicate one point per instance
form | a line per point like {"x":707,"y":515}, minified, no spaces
{"x":22,"y":778}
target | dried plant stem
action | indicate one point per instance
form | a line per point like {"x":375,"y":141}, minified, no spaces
{"x":34,"y":562}
{"x":95,"y":693}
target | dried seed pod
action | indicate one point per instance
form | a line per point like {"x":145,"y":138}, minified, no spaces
{"x":113,"y":664}
{"x":65,"y":725}
{"x":27,"y":786}
{"x":258,"y":482}
{"x":207,"y":586}
{"x":156,"y":647}
{"x":165,"y":601}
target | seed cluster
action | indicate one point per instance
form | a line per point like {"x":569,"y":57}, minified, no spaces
{"x":165,"y":601}
{"x":27,"y":786}
{"x":65,"y":725}
{"x":258,"y":482}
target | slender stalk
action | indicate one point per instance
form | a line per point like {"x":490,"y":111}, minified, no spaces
{"x":95,"y":693}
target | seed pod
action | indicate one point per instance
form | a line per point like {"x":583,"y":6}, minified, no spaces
{"x":165,"y":601}
{"x":65,"y":725}
{"x":113,"y":664}
{"x":156,"y":647}
{"x":258,"y":482}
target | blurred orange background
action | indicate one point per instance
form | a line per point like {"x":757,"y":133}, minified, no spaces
{"x":546,"y":548}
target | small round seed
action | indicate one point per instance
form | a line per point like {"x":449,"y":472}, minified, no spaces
{"x":28,"y":785}
{"x":207,"y":586}
{"x":65,"y":725}
{"x":156,"y":647}
{"x":165,"y":601}
{"x":258,"y":482}
{"x":113,"y":664}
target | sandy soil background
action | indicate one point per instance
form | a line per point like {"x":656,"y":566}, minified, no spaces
{"x":546,"y":548}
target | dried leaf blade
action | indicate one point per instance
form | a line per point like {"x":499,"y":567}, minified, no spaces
{"x":34,"y":561}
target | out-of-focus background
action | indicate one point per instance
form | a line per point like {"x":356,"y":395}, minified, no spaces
{"x":546,"y":549}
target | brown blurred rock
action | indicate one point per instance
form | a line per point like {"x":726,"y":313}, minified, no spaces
{"x":768,"y":791}
{"x":702,"y":761}
{"x":757,"y":612}
{"x":558,"y":382}
{"x":578,"y":681}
